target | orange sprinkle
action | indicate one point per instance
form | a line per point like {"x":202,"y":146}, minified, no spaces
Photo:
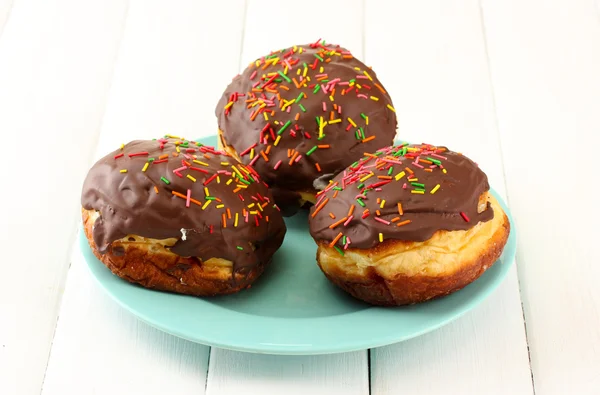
{"x":243,"y":212}
{"x":320,"y":207}
{"x":318,"y":167}
{"x":335,"y":193}
{"x":156,"y":189}
{"x":377,"y":212}
{"x":368,"y":139}
{"x":339,"y":236}
{"x":224,"y":220}
{"x":351,"y":210}
{"x":297,"y":116}
{"x":181,"y":195}
{"x":395,"y":219}
{"x":425,"y":161}
{"x":289,"y":152}
{"x":370,"y":155}
{"x":262,"y":153}
{"x":268,"y":149}
{"x":331,"y":115}
{"x":400,"y":211}
{"x":323,"y":146}
{"x":293,"y":158}
{"x":165,"y":156}
{"x":384,"y":177}
{"x":228,"y":213}
{"x":378,"y":200}
{"x":331,"y":215}
{"x":236,"y":190}
{"x":380,"y":87}
{"x":267,"y":218}
{"x":409,"y":170}
{"x":403,"y":223}
{"x":284,"y":87}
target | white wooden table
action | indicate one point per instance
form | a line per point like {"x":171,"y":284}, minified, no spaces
{"x":514,"y":83}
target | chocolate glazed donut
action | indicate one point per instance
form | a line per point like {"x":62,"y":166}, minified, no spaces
{"x":301,"y":115}
{"x":157,"y":209}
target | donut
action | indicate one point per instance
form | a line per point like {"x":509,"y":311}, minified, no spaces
{"x":175,"y":215}
{"x":406,"y":224}
{"x":301,"y":115}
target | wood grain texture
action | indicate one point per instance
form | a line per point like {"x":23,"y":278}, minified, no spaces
{"x":431,"y":57}
{"x":161,"y":85}
{"x":234,"y":372}
{"x":545,"y":60}
{"x":56,"y":62}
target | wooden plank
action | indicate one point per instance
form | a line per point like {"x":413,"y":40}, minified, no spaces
{"x":545,"y":59}
{"x":5,"y":7}
{"x":166,"y":81}
{"x":431,"y":57}
{"x":56,"y":62}
{"x":234,"y":372}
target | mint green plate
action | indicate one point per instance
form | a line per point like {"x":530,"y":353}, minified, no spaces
{"x":292,"y":308}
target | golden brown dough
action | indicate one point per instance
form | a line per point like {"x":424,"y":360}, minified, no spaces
{"x":401,"y":272}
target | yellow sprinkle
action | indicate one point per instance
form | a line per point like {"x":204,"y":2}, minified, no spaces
{"x":351,"y":122}
{"x":400,"y":175}
{"x":174,"y":137}
{"x":331,"y":97}
{"x":382,"y":203}
{"x":124,"y":171}
{"x":277,"y":140}
{"x":245,"y":170}
{"x":308,"y":78}
{"x":224,"y":163}
{"x":252,"y":154}
{"x":435,"y":188}
{"x":358,"y":86}
{"x":260,"y":207}
{"x":391,"y":108}
{"x":229,"y":181}
{"x":368,"y":76}
{"x":146,"y":166}
{"x":220,"y":206}
{"x":367,"y":119}
{"x":265,"y":116}
{"x":298,"y":71}
{"x":191,"y":178}
{"x":444,"y":171}
{"x":335,"y":121}
{"x":236,"y":220}
{"x":420,"y":192}
{"x":206,"y":191}
{"x":374,"y":98}
{"x":367,"y":177}
{"x":237,"y":171}
{"x":228,"y":105}
{"x":380,"y":237}
{"x":304,"y":72}
{"x":285,"y":71}
{"x":254,"y":212}
{"x":122,"y":146}
{"x":206,"y":204}
{"x":242,"y":186}
{"x":321,"y":69}
{"x":200,"y":163}
{"x":300,"y":51}
{"x":218,"y":180}
{"x":177,"y":148}
{"x":251,"y":205}
{"x":413,"y":179}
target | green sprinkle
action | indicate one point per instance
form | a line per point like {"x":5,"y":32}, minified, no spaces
{"x":337,"y":188}
{"x":322,"y":137}
{"x":363,"y":115}
{"x":344,"y":239}
{"x":278,"y":80}
{"x":288,"y":123}
{"x":390,"y":171}
{"x":150,"y":160}
{"x":318,"y":57}
{"x":359,"y":200}
{"x":240,"y":248}
{"x":165,"y":180}
{"x":357,"y":135}
{"x":354,"y":164}
{"x":285,"y":77}
{"x":211,"y":198}
{"x":310,"y":151}
{"x":244,"y":181}
{"x":352,"y":80}
{"x":302,"y":107}
{"x":418,"y":184}
{"x":362,"y":132}
{"x":300,"y":96}
{"x":317,"y":88}
{"x":437,"y":162}
{"x":338,"y":249}
{"x":361,"y":185}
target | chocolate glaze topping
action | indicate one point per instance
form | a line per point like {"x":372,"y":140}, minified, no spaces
{"x":142,"y":189}
{"x":407,"y":192}
{"x":303,"y":114}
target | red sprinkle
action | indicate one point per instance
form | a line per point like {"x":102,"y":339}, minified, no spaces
{"x":464,"y":216}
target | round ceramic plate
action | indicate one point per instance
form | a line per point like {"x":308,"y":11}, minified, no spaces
{"x":292,"y":308}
